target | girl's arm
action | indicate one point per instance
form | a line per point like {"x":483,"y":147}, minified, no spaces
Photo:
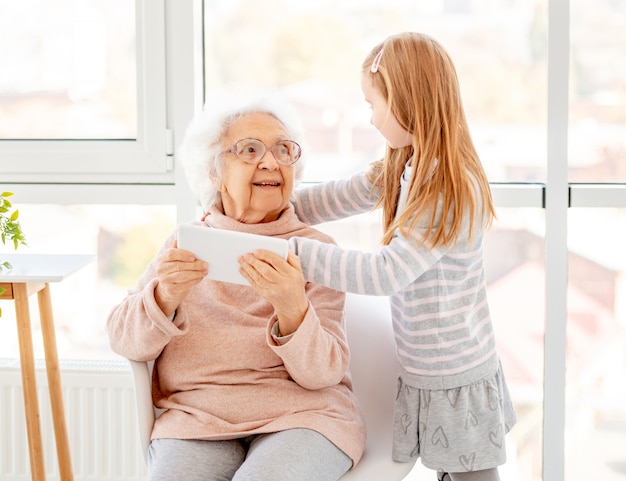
{"x":335,"y":199}
{"x":384,"y":273}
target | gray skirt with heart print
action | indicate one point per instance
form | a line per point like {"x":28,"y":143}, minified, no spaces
{"x":454,"y":430}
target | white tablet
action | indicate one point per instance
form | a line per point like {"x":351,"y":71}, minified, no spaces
{"x":221,"y":248}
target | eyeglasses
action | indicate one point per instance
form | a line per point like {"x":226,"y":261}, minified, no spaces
{"x":251,"y":151}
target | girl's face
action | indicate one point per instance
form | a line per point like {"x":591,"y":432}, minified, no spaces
{"x":382,"y":118}
{"x":255,"y":193}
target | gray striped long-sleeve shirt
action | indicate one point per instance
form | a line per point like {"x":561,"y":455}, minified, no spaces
{"x":438,"y":298}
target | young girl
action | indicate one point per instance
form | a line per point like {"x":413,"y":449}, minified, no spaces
{"x":453,"y":408}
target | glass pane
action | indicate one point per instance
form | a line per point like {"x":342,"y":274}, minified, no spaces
{"x":68,"y":69}
{"x":123,"y":238}
{"x":515,"y":269}
{"x":313,"y":50}
{"x":595,"y":430}
{"x":514,"y":262}
{"x":597,"y":140}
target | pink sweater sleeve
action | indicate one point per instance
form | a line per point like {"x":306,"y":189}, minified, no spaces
{"x":317,"y":354}
{"x":137,"y":328}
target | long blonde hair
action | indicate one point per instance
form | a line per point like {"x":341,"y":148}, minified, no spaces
{"x":417,"y":78}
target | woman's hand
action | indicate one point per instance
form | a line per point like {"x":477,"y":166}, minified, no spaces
{"x":279,"y":282}
{"x":178,"y":271}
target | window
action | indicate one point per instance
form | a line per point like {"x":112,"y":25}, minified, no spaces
{"x":123,"y":238}
{"x":82,"y":91}
{"x":596,"y":343}
{"x":597,"y":141}
{"x":595,"y":335}
{"x":313,"y":51}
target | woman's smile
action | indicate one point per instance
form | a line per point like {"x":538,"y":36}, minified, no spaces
{"x":267,"y":183}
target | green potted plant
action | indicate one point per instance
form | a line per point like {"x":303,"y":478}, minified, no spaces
{"x":10,"y":229}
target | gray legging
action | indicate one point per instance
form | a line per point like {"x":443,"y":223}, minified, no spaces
{"x":300,"y":454}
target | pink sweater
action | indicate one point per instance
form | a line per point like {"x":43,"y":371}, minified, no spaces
{"x":219,"y":371}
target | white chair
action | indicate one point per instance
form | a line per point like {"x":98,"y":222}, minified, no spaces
{"x":374,"y":370}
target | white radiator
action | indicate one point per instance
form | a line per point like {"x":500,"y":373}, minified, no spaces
{"x":100,"y":415}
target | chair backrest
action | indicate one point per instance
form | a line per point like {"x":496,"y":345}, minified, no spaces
{"x":374,"y":369}
{"x":145,"y":410}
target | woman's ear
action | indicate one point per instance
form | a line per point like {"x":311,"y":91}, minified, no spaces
{"x":216,"y":180}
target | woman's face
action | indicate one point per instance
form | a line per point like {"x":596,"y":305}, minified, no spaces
{"x":382,"y":118}
{"x":255,"y":193}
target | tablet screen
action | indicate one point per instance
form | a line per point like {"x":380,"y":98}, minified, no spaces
{"x":221,"y":248}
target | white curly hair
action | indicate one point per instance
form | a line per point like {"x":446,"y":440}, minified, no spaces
{"x":200,"y":150}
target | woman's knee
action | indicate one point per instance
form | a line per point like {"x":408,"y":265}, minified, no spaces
{"x":193,"y":460}
{"x":300,"y":454}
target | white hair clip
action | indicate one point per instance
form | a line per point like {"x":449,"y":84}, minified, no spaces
{"x":376,"y":62}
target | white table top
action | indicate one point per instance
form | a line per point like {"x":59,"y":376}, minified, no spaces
{"x":41,"y":267}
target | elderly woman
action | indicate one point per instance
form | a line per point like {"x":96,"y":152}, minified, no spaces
{"x":254,"y":380}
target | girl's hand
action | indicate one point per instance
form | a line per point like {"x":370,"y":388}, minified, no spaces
{"x":178,"y":271}
{"x":279,"y":282}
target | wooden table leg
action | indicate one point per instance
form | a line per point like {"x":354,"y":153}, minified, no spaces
{"x":54,"y":384}
{"x":29,"y":382}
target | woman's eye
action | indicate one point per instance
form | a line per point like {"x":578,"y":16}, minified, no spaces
{"x":248,"y":149}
